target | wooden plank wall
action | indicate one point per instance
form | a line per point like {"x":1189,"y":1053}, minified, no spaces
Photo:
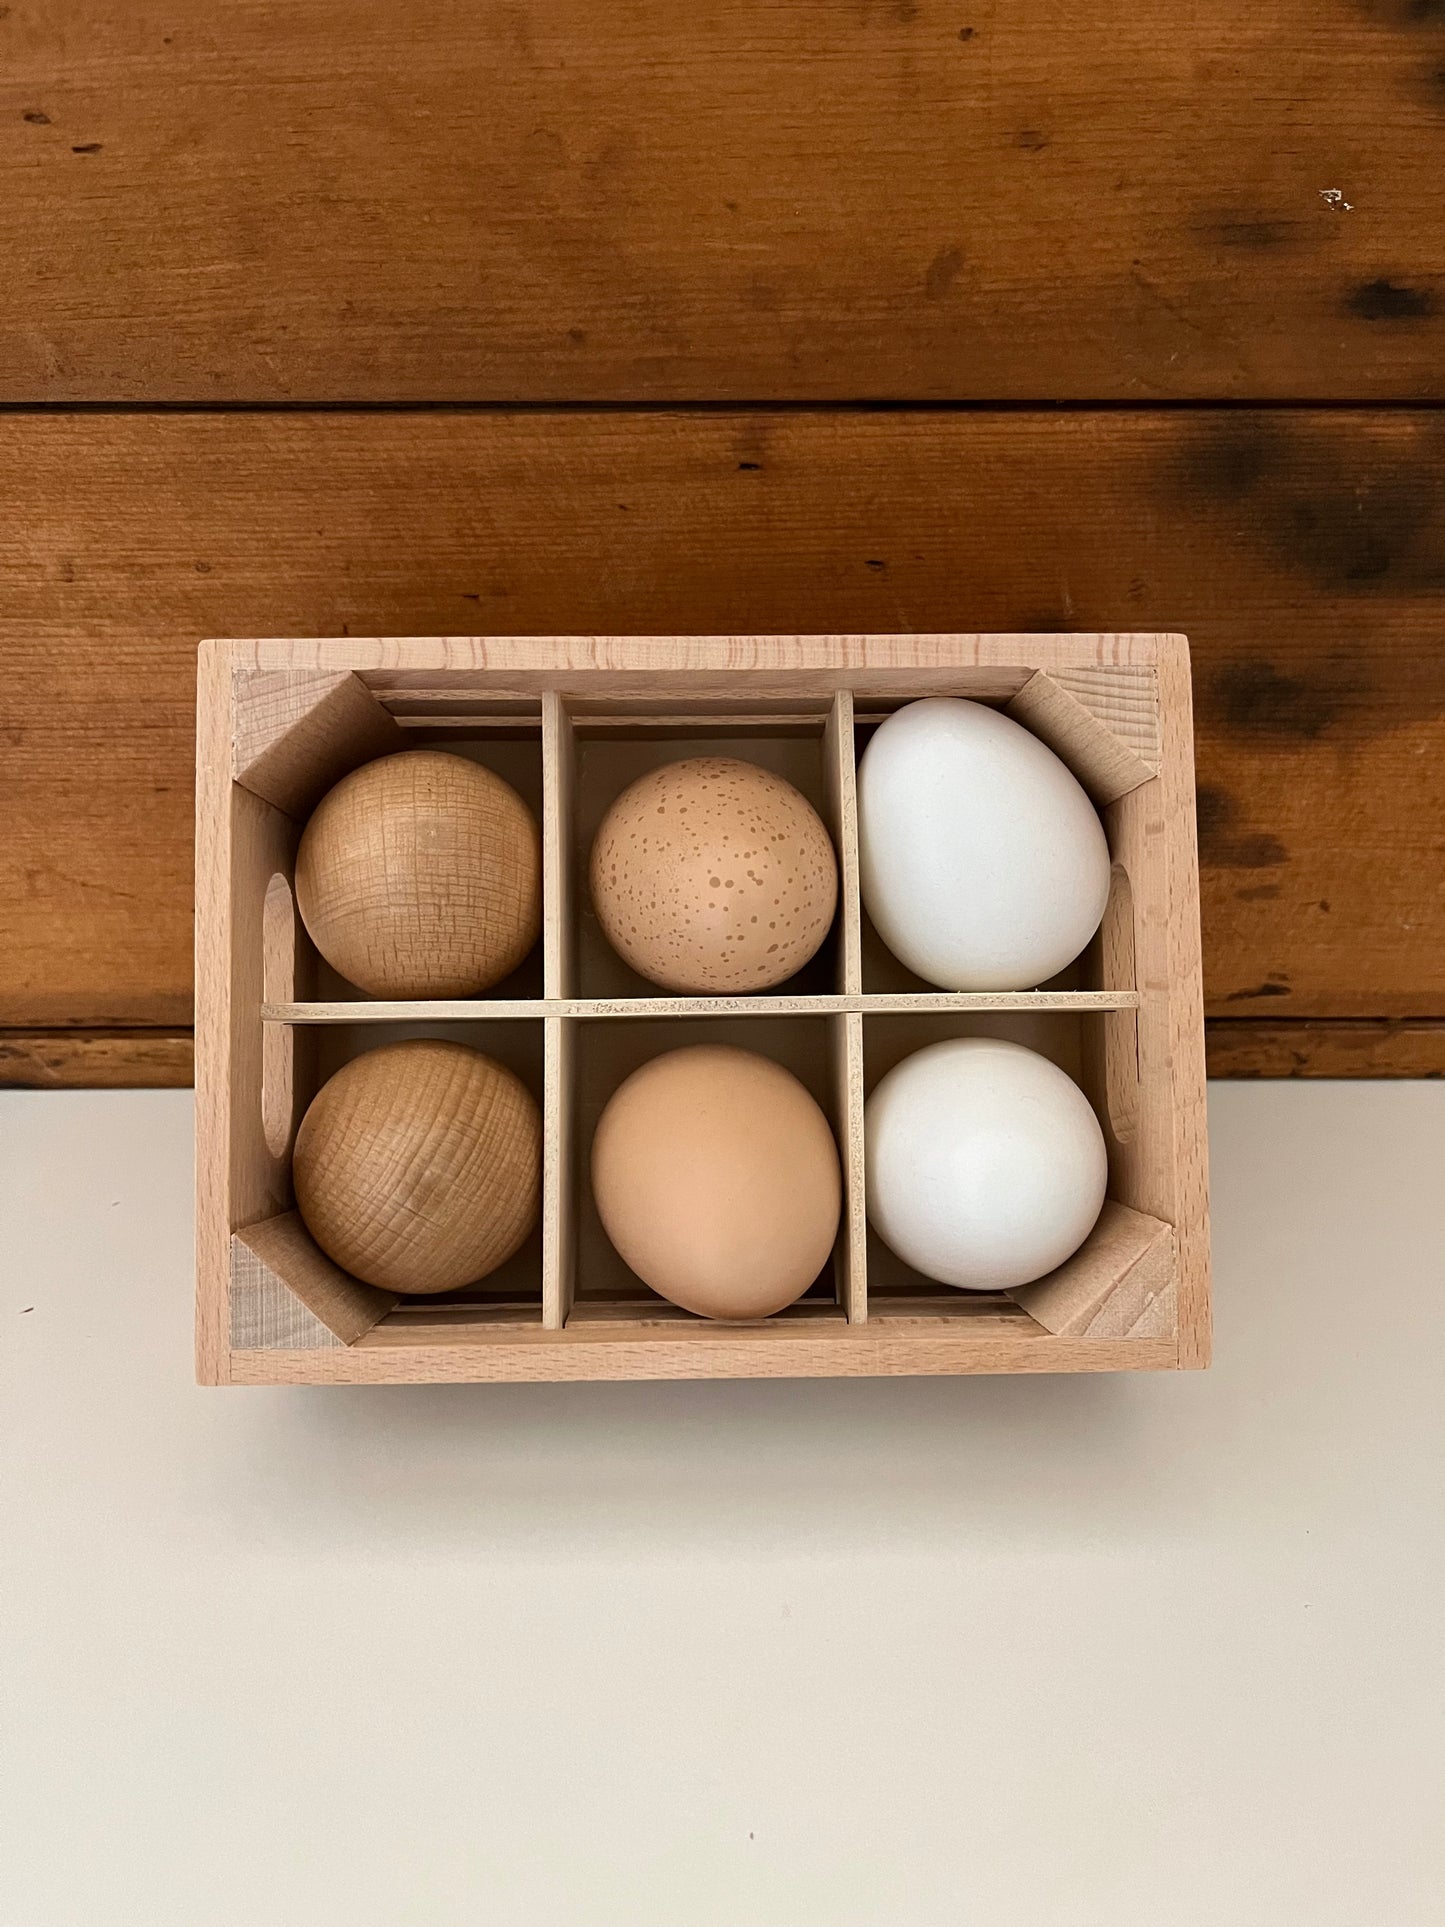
{"x":848,"y":314}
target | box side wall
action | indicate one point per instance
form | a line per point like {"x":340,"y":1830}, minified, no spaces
{"x":825,"y":662}
{"x":1186,"y":984}
{"x":213,"y":1012}
{"x":777,"y":1351}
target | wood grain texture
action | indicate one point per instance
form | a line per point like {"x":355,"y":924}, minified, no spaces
{"x":418,"y":1166}
{"x":243,"y":1171}
{"x":1164,"y":1162}
{"x":1103,"y":724}
{"x":295,"y":736}
{"x":1256,"y":1047}
{"x":215,"y":1031}
{"x":286,"y":1293}
{"x":333,"y":199}
{"x":1116,"y":1285}
{"x":776,"y":1348}
{"x":95,"y":1060}
{"x":420,"y":875}
{"x":1304,"y":554}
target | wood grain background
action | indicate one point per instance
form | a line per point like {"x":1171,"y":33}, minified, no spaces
{"x":536,"y":317}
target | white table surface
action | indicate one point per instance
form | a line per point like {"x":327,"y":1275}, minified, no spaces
{"x":1020,"y":1653}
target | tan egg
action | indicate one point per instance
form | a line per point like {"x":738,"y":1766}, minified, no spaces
{"x":418,"y":1166}
{"x":714,"y":875}
{"x":716,"y":1177}
{"x":420,"y":875}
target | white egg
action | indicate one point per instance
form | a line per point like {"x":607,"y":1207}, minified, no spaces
{"x":986,"y":1165}
{"x":984,"y":865}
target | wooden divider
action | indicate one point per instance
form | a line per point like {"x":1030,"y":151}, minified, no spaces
{"x":840,"y":780}
{"x":847,"y":1047}
{"x":559,"y":1208}
{"x":840,"y":777}
{"x":559,"y":980}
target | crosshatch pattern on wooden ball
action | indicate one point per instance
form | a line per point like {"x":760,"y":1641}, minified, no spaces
{"x":418,"y":1166}
{"x":420,"y":875}
{"x":714,"y":875}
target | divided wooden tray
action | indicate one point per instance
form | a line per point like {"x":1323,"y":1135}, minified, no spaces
{"x":570,"y":721}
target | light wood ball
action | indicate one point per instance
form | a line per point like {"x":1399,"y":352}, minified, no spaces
{"x":714,"y":875}
{"x":418,"y":1166}
{"x":420,"y":875}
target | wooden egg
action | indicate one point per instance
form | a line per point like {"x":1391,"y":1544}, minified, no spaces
{"x":418,"y":1166}
{"x":420,"y":875}
{"x":716,"y":1177}
{"x":714,"y":875}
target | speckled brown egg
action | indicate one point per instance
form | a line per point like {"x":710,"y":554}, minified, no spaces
{"x":714,"y":875}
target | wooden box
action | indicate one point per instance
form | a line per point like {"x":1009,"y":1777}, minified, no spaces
{"x":570,"y":721}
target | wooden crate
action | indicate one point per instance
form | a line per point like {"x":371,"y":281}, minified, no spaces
{"x":570,"y":721}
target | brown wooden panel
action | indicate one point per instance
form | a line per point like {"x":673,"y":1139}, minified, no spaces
{"x":1303,"y":553}
{"x":1344,"y":1047}
{"x":55,"y":1060}
{"x":429,"y":199}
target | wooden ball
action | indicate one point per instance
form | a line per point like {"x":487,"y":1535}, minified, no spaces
{"x":418,"y":1166}
{"x":420,"y":875}
{"x":714,"y":875}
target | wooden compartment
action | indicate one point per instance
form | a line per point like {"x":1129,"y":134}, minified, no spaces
{"x":570,"y":721}
{"x":512,"y":748}
{"x":895,"y":1290}
{"x":611,"y":755}
{"x":607,"y":1052}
